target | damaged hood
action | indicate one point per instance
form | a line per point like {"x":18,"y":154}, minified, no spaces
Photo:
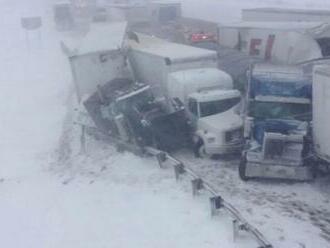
{"x":220,"y":123}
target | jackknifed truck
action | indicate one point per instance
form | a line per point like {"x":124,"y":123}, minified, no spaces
{"x":190,"y":75}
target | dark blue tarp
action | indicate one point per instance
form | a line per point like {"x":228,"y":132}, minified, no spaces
{"x":275,"y":126}
{"x":265,"y":86}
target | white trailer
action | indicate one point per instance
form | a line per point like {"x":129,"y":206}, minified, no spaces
{"x":278,"y":42}
{"x":285,"y":15}
{"x":97,"y":58}
{"x":321,"y":111}
{"x":190,"y":74}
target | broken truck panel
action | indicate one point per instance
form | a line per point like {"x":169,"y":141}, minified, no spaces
{"x":97,"y":57}
{"x":277,"y":124}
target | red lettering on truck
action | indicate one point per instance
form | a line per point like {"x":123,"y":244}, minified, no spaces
{"x":269,"y":46}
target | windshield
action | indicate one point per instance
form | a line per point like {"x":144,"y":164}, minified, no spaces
{"x":141,"y":101}
{"x":280,"y":110}
{"x":219,"y":106}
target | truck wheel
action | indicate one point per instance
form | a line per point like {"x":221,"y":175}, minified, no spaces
{"x":242,"y":168}
{"x":201,"y":151}
{"x":199,"y":148}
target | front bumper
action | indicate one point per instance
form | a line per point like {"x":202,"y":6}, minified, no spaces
{"x":256,"y":167}
{"x":299,"y":173}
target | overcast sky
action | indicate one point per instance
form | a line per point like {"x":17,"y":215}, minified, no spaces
{"x":228,"y":10}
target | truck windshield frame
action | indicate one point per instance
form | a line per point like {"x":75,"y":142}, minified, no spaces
{"x":218,"y":106}
{"x":193,"y":106}
{"x":280,"y":110}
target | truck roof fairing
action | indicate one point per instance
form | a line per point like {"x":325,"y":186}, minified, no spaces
{"x":214,"y":76}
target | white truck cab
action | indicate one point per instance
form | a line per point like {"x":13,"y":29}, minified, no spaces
{"x":212,"y":106}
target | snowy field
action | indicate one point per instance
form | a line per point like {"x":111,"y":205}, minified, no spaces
{"x":53,"y":196}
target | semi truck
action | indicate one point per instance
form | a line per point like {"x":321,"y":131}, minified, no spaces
{"x":190,"y":75}
{"x":112,"y":102}
{"x":278,"y":143}
{"x":126,"y":111}
{"x":321,"y":114}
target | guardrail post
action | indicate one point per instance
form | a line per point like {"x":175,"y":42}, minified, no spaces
{"x":161,"y":158}
{"x":236,"y":228}
{"x":178,"y":170}
{"x":216,"y":203}
{"x":197,"y":184}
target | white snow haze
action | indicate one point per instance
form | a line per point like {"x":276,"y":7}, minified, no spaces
{"x":52,"y":196}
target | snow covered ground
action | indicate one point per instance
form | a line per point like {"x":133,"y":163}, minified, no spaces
{"x":53,"y":196}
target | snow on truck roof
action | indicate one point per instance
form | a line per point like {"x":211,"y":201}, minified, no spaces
{"x":284,"y":72}
{"x":100,"y":37}
{"x":173,"y":51}
{"x":317,"y":12}
{"x":288,"y":26}
{"x":213,"y":76}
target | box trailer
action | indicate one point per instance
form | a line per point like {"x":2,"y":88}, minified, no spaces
{"x":285,"y":15}
{"x":153,"y":59}
{"x":321,"y":112}
{"x":278,"y":42}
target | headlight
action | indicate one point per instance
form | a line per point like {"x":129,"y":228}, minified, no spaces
{"x":211,"y":140}
{"x":234,"y":135}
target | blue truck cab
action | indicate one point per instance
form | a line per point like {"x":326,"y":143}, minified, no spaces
{"x":277,"y":121}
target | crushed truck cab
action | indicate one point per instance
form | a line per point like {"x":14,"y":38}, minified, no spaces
{"x":127,"y":111}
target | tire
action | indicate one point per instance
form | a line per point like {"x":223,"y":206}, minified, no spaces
{"x":201,"y":151}
{"x":242,"y":167}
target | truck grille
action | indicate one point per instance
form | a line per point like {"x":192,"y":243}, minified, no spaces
{"x":234,"y":135}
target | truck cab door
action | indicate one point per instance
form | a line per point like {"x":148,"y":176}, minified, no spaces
{"x":193,"y":112}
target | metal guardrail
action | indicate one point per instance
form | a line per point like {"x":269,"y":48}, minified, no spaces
{"x":216,"y":201}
